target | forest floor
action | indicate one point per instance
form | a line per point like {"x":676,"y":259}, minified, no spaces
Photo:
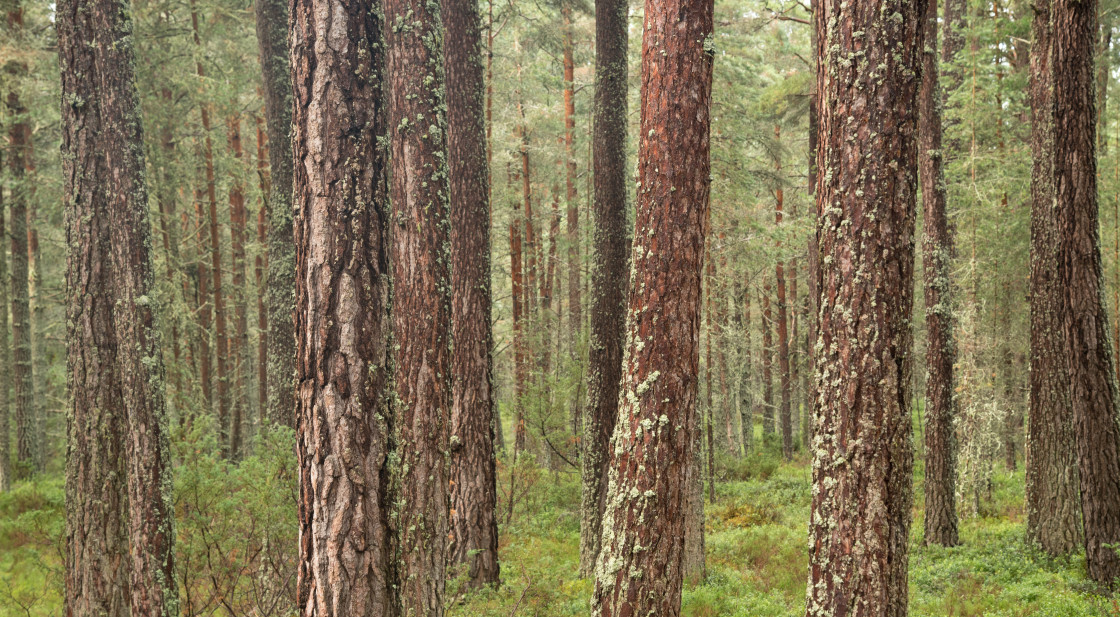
{"x":756,"y":545}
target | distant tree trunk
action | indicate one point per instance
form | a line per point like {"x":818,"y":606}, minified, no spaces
{"x":725,"y":403}
{"x":1053,"y":510}
{"x":937,"y":255}
{"x":239,"y":344}
{"x":1092,"y":383}
{"x":783,"y":319}
{"x":272,"y":41}
{"x":219,"y":309}
{"x":610,"y":273}
{"x":517,"y":285}
{"x":474,"y":528}
{"x":202,"y":305}
{"x":19,"y":162}
{"x":1103,"y":69}
{"x":38,"y":335}
{"x":859,"y":528}
{"x":641,"y":567}
{"x":344,"y":418}
{"x":5,"y":361}
{"x":746,"y":407}
{"x":767,"y":323}
{"x":116,"y":416}
{"x":709,"y":446}
{"x":613,"y":45}
{"x":421,"y":295}
{"x":260,"y":271}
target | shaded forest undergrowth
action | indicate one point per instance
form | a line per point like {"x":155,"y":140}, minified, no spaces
{"x":237,"y":539}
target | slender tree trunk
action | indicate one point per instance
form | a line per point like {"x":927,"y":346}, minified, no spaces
{"x":783,"y":319}
{"x":640,"y":567}
{"x":859,"y":528}
{"x":709,"y":446}
{"x":239,"y":344}
{"x":517,"y":285}
{"x":272,"y":41}
{"x":116,"y":425}
{"x":345,"y":420}
{"x":746,"y":405}
{"x":203,"y":306}
{"x":38,"y":335}
{"x":260,"y":272}
{"x":5,"y":361}
{"x":474,"y":528}
{"x":219,"y":309}
{"x":767,"y":362}
{"x":421,"y":270}
{"x":19,"y":163}
{"x":1092,"y":383}
{"x":610,"y":272}
{"x":575,"y":302}
{"x":941,"y":353}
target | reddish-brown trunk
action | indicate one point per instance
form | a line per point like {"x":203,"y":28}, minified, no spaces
{"x":239,"y":344}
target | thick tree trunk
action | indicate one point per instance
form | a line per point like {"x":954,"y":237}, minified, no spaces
{"x":473,"y":499}
{"x":1092,"y":383}
{"x":866,"y":190}
{"x":117,"y":424}
{"x":655,"y":442}
{"x":272,"y":41}
{"x":1053,"y":510}
{"x":610,"y":273}
{"x":421,"y":295}
{"x":941,"y":353}
{"x":19,"y":162}
{"x":767,"y":362}
{"x":344,"y":416}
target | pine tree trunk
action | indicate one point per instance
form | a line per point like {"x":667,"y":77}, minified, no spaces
{"x":117,"y":423}
{"x":746,"y":404}
{"x":575,"y":302}
{"x":473,"y":499}
{"x":1092,"y":383}
{"x":344,"y":417}
{"x":866,"y":190}
{"x":239,"y":344}
{"x":655,"y":443}
{"x":202,"y":305}
{"x":5,"y":361}
{"x":1053,"y":509}
{"x":517,"y":285}
{"x":19,"y":162}
{"x":783,"y":320}
{"x":709,"y":448}
{"x":610,"y":273}
{"x":272,"y":41}
{"x":937,"y":255}
{"x":767,"y":362}
{"x":38,"y":337}
{"x":421,"y":295}
{"x":260,"y":271}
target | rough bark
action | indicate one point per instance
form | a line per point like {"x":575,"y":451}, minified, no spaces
{"x":1053,"y":509}
{"x":655,"y":441}
{"x":612,"y":46}
{"x":272,"y":42}
{"x":344,"y":416}
{"x":866,"y":195}
{"x":239,"y":343}
{"x":19,"y":162}
{"x":941,"y":353}
{"x":783,"y":319}
{"x":610,"y":272}
{"x":1092,"y":383}
{"x":517,"y":285}
{"x":473,"y":499}
{"x":260,"y":270}
{"x":116,"y":530}
{"x":421,"y":294}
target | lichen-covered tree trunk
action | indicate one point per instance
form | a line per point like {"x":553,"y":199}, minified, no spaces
{"x":344,"y":416}
{"x":517,"y":286}
{"x":473,"y":499}
{"x":202,"y":305}
{"x":610,"y":272}
{"x":272,"y":42}
{"x":746,"y":405}
{"x":19,"y":161}
{"x":1053,"y":509}
{"x":767,"y":361}
{"x":260,"y":270}
{"x":1093,"y":391}
{"x":5,"y":361}
{"x":640,"y":568}
{"x":421,"y":294}
{"x":239,"y":343}
{"x":575,"y":300}
{"x":119,"y":555}
{"x":937,"y":255}
{"x":869,"y":67}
